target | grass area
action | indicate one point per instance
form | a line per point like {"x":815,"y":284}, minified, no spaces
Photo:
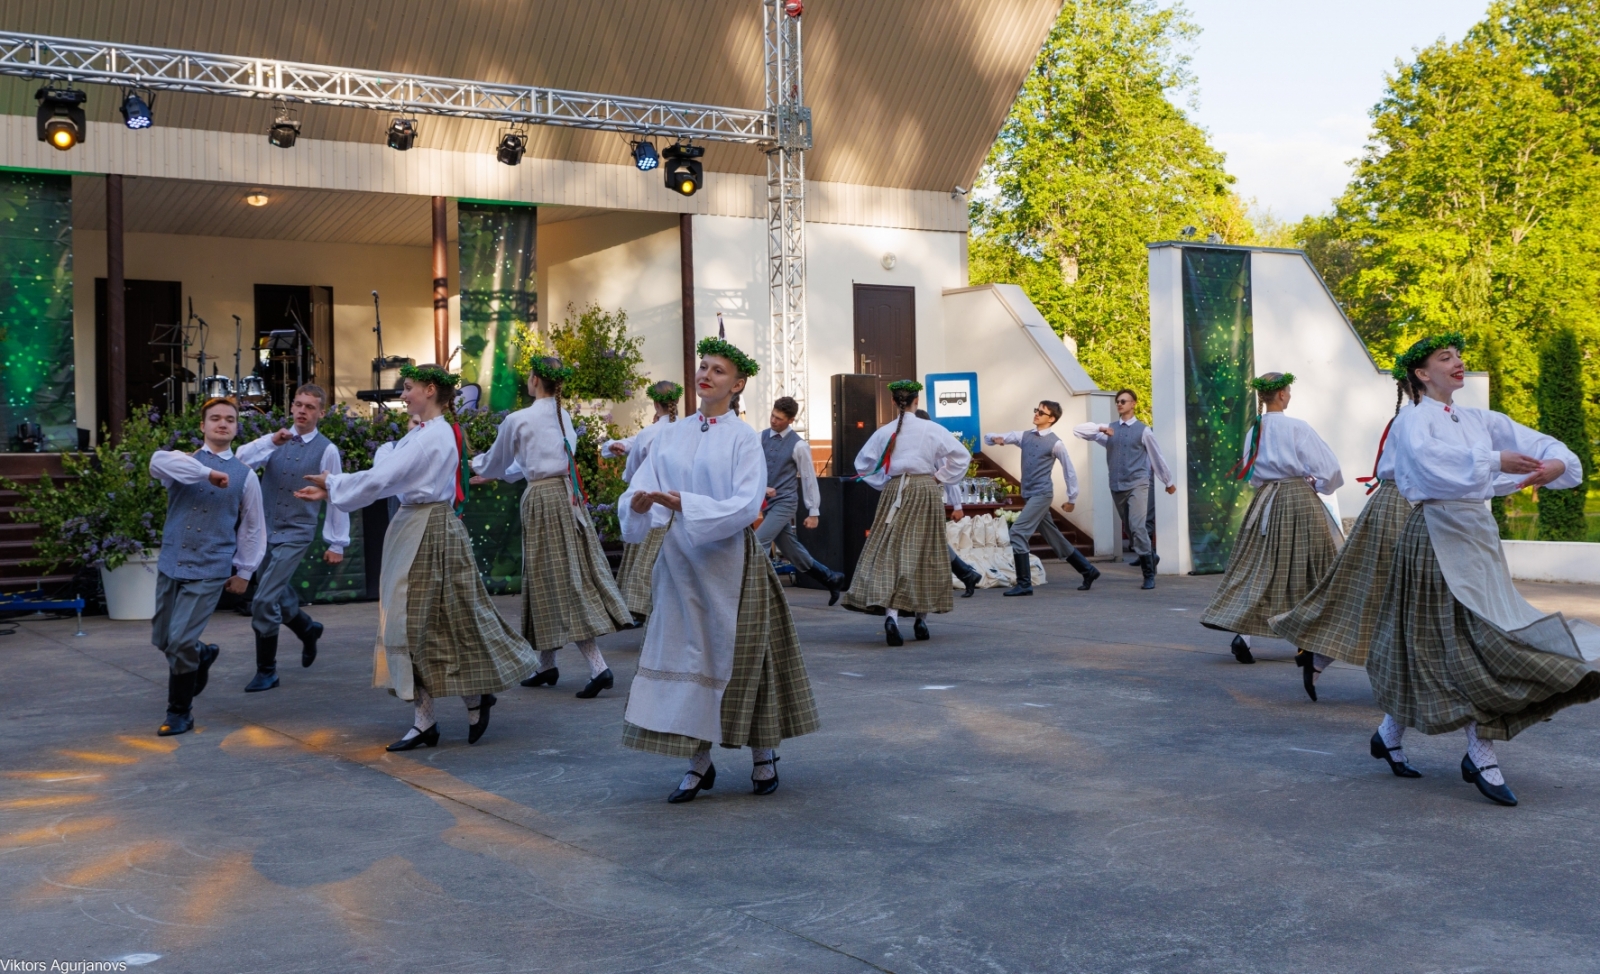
{"x":1522,"y":517}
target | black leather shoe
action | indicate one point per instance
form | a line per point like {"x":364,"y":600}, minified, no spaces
{"x":1088,"y":578}
{"x":543,"y":678}
{"x":1308,"y":672}
{"x":1082,"y":566}
{"x":919,"y":629}
{"x":891,"y":632}
{"x":970,"y":577}
{"x":263,"y":680}
{"x":1499,"y":794}
{"x":831,"y":580}
{"x":703,"y":782}
{"x":1147,"y":566}
{"x":475,"y":731}
{"x":309,"y":632}
{"x":202,"y":676}
{"x":1241,"y":652}
{"x":769,"y":785}
{"x":176,"y":724}
{"x":604,"y":681}
{"x":427,"y":738}
{"x":1382,"y":751}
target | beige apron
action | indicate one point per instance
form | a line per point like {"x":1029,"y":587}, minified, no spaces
{"x":391,"y":657}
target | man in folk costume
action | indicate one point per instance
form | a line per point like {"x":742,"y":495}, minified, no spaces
{"x":568,"y":594}
{"x":213,"y":539}
{"x":1456,"y":646}
{"x":285,"y":457}
{"x":1042,"y":449}
{"x":438,"y":633}
{"x":1288,"y":537}
{"x":790,"y":475}
{"x":721,"y":661}
{"x":1132,"y":455}
{"x":917,"y":465}
{"x":633,"y":575}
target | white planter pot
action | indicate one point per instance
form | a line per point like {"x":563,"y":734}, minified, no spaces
{"x":131,"y":589}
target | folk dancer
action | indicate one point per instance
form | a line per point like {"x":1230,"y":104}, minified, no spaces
{"x":1042,"y":449}
{"x":213,"y":539}
{"x":633,"y":575}
{"x":918,"y":465}
{"x":438,"y":633}
{"x":720,"y":662}
{"x":1456,"y":647}
{"x":791,"y":476}
{"x":568,"y":594}
{"x":285,"y":457}
{"x":1131,"y":457}
{"x":1288,"y":539}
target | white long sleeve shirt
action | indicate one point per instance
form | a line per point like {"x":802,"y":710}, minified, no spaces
{"x":1437,"y":457}
{"x":720,"y":475}
{"x":421,"y":469}
{"x":1059,"y":451}
{"x":1158,"y":463}
{"x":1291,"y":449}
{"x":250,"y":538}
{"x":805,"y":470}
{"x":336,"y":524}
{"x":529,"y":439}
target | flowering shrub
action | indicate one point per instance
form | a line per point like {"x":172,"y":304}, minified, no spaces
{"x":598,"y":345}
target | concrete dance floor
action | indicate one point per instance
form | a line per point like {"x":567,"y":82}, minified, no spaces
{"x":1071,"y":782}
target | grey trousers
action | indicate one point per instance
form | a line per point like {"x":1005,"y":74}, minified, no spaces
{"x":1133,"y":506}
{"x":276,"y":601}
{"x":778,"y":527}
{"x":1035,"y":516}
{"x":183,"y":607}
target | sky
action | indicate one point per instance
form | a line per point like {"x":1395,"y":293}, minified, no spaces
{"x":1285,"y":85}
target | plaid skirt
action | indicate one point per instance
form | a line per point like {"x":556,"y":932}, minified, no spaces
{"x":568,"y":594}
{"x":1269,"y":573}
{"x":768,"y":700}
{"x":1338,"y":617}
{"x":905,"y":565}
{"x":633,"y":575}
{"x":460,"y":646}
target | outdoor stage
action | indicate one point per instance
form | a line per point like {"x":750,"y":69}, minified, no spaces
{"x":1071,"y":782}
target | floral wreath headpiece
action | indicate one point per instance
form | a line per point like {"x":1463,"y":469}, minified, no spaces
{"x":905,"y":385}
{"x":725,"y":349}
{"x":430,"y":374}
{"x":552,"y":373}
{"x":1266,"y":387}
{"x":1417,"y":354}
{"x":665,"y":397}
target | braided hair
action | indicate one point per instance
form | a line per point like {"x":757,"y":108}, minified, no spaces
{"x":663,"y":390}
{"x":904,"y":399}
{"x":552,"y":365}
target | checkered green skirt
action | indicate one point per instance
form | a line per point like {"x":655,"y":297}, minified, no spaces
{"x":633,"y":575}
{"x":1269,"y":573}
{"x":906,"y":563}
{"x":1436,"y":666}
{"x":1337,"y":618}
{"x":568,"y":594}
{"x":768,"y":700}
{"x":460,"y":646}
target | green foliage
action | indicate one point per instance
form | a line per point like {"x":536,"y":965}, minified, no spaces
{"x":1560,"y":395}
{"x":606,"y":357}
{"x":1094,"y":161}
{"x":602,"y":477}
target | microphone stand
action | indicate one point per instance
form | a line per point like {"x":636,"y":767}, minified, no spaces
{"x":238,"y":350}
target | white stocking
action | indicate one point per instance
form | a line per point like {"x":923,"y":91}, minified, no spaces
{"x":1390,"y":732}
{"x":1482,"y":754}
{"x":1246,"y":640}
{"x":763,"y":772}
{"x":892,"y":613}
{"x":473,"y":708}
{"x":700,"y":764}
{"x":547,"y":659}
{"x":591,"y":652}
{"x":423,"y":718}
{"x":1320,"y":662}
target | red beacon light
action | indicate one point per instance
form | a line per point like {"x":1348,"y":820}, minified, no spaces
{"x":794,"y":8}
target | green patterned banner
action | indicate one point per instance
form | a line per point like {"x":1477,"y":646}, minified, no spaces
{"x":1219,"y":361}
{"x":36,"y":373}
{"x":499,"y":292}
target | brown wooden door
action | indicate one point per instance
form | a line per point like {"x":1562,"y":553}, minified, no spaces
{"x":886,"y":338}
{"x":153,"y":344}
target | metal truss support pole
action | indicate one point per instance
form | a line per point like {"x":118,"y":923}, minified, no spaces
{"x":786,"y":210}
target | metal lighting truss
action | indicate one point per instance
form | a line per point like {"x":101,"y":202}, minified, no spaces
{"x":786,"y":209}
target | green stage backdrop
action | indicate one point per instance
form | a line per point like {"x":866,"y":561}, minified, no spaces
{"x":36,"y":380}
{"x":499,"y":292}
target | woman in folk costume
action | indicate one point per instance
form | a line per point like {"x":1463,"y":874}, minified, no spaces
{"x":438,"y":633}
{"x":721,"y":661}
{"x":568,"y":594}
{"x":905,"y":566}
{"x":1288,"y":538}
{"x":633,"y":576}
{"x":1455,"y":645}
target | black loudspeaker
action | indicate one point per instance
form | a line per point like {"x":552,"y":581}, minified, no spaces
{"x":847,"y":509}
{"x":855,"y":418}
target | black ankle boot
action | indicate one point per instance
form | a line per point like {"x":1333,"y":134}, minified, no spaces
{"x":831,"y":580}
{"x":1147,"y":565}
{"x":1024,"y":584}
{"x":309,"y":631}
{"x":970,"y":577}
{"x":180,"y":699}
{"x":1082,"y":566}
{"x":266,"y":664}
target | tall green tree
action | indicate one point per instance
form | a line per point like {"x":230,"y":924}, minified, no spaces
{"x":1561,"y":416}
{"x":1095,"y":160}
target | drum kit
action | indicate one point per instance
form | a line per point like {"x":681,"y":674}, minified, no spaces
{"x":250,"y":391}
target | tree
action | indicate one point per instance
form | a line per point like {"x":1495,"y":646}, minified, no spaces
{"x":1093,"y":162}
{"x":1561,"y":416}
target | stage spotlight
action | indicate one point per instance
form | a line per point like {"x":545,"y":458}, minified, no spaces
{"x":681,"y":165}
{"x":61,"y":120}
{"x":644,"y":156}
{"x":402,"y":133}
{"x":512,"y":145}
{"x":136,"y":110}
{"x":284,"y":132}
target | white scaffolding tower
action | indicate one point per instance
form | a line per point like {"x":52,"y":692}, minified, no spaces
{"x":786,"y":204}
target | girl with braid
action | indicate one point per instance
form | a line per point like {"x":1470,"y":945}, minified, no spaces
{"x":568,"y":594}
{"x":905,"y":567}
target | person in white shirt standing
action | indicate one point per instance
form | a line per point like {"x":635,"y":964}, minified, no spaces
{"x":1131,"y":457}
{"x":1042,"y":449}
{"x":285,"y":457}
{"x":213,"y":540}
{"x":633,"y":575}
{"x":791,"y":478}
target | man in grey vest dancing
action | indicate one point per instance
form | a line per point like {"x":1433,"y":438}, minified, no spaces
{"x":1131,"y":456}
{"x":789,"y":475}
{"x":1042,"y":449}
{"x":285,"y":458}
{"x":213,"y":539}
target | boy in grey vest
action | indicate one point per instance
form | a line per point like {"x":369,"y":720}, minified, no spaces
{"x":1131,"y":456}
{"x":789,"y":475}
{"x":285,"y":458}
{"x":1042,"y":449}
{"x":213,"y":539}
